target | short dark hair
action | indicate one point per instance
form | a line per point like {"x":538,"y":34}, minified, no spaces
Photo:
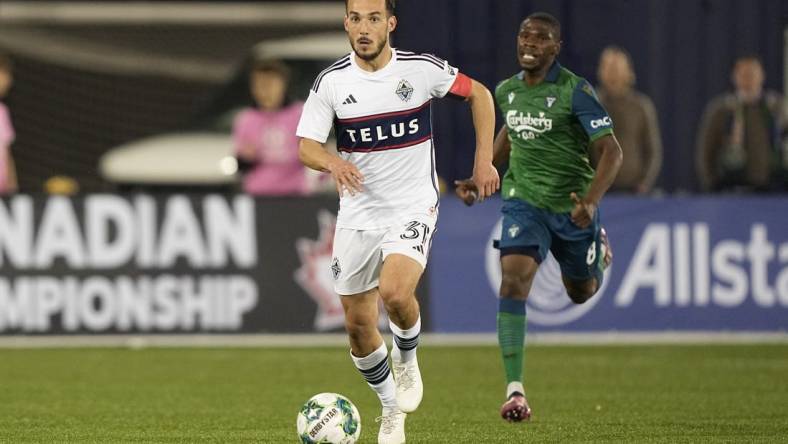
{"x":549,"y":19}
{"x":390,"y":6}
{"x":271,"y":65}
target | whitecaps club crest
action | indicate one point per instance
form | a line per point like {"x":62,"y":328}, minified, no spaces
{"x":404,"y":90}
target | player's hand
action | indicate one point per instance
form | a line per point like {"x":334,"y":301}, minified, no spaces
{"x":486,"y":178}
{"x":583,"y":212}
{"x":346,"y":176}
{"x":467,"y":191}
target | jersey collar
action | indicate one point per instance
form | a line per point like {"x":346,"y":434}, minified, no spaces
{"x":552,"y":73}
{"x":377,"y":73}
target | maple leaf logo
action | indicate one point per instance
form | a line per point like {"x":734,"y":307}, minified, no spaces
{"x":316,"y":276}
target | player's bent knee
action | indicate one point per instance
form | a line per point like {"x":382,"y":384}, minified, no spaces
{"x":395,"y":297}
{"x":514,"y":285}
{"x":397,"y":303}
{"x":579,"y":294}
{"x":579,"y":297}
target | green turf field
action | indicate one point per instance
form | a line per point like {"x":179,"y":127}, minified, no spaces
{"x":665,"y":394}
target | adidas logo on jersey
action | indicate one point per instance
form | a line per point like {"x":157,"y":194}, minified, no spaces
{"x":350,"y":100}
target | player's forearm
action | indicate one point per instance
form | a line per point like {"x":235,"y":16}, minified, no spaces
{"x":607,"y":168}
{"x":483,"y":110}
{"x":501,"y":148}
{"x":313,"y":155}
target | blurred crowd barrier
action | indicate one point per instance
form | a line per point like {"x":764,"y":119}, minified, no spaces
{"x":684,"y":264}
{"x":227,"y":263}
{"x":109,"y":263}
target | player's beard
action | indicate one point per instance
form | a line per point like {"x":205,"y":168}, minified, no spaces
{"x":374,"y":54}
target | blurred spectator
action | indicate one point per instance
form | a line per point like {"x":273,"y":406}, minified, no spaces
{"x":8,"y":183}
{"x":739,"y":146}
{"x":635,"y":122}
{"x":265,"y":142}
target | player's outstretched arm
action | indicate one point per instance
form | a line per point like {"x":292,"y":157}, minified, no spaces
{"x":485,"y":176}
{"x":346,"y":176}
{"x":610,"y":158}
{"x":466,"y":189}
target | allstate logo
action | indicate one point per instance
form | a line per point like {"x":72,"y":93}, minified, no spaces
{"x":548,"y":304}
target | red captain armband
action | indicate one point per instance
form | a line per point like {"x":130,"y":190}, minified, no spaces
{"x":462,"y":86}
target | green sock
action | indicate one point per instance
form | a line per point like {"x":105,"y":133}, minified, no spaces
{"x":511,"y":337}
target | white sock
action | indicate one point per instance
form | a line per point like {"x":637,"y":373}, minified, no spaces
{"x":375,"y":369}
{"x":403,"y":348}
{"x":514,"y":387}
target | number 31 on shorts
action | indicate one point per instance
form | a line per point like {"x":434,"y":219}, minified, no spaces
{"x":417,"y":230}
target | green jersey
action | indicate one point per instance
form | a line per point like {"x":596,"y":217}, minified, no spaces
{"x":550,"y":127}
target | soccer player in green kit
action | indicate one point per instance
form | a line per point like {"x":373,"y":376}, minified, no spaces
{"x":551,"y":192}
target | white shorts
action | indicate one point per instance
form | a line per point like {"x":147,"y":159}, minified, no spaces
{"x":359,"y":254}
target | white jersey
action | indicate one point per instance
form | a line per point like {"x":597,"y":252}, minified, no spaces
{"x":383,"y":126}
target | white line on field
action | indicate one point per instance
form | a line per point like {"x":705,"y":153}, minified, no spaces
{"x":427,"y":339}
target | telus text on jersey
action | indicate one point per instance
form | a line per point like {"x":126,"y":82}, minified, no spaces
{"x":380,"y":133}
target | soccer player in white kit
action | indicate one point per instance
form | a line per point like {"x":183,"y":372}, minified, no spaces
{"x":377,"y":99}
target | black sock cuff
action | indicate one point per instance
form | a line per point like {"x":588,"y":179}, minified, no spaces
{"x":378,"y":373}
{"x":406,"y":344}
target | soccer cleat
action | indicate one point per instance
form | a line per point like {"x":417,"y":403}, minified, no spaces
{"x":410,"y":389}
{"x":392,"y":427}
{"x":516,"y":409}
{"x":607,"y":252}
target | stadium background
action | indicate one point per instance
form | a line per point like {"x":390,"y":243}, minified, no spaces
{"x":97,"y":84}
{"x":175,"y":260}
{"x":91,"y":77}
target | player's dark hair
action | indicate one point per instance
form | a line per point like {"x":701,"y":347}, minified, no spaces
{"x":550,"y":20}
{"x":390,"y":6}
{"x":6,"y":64}
{"x":271,"y":66}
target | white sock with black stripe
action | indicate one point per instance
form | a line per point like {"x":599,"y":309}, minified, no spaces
{"x":405,"y":341}
{"x":375,"y":369}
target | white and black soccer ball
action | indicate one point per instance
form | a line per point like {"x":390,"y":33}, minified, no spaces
{"x":328,"y":418}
